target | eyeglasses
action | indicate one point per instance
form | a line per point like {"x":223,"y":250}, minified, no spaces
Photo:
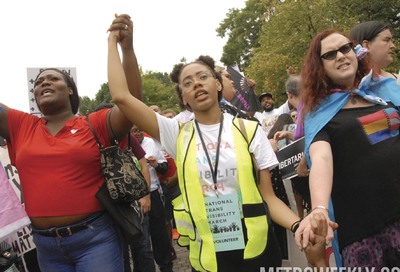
{"x":344,"y":49}
{"x":202,"y":77}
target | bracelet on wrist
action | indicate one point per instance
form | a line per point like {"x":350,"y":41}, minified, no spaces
{"x":295,"y":226}
{"x":320,"y":207}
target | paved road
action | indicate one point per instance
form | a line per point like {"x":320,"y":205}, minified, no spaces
{"x":181,"y":263}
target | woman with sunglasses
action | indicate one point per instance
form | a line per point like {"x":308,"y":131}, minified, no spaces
{"x":352,"y":144}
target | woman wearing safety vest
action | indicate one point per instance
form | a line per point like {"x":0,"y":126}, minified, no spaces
{"x":223,"y":213}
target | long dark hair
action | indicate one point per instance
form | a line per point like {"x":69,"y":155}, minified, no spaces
{"x":367,"y":31}
{"x":283,"y":119}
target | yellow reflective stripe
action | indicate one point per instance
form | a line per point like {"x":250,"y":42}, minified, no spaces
{"x":191,"y":207}
{"x":194,"y":199}
{"x":257,"y":227}
{"x":257,"y":237}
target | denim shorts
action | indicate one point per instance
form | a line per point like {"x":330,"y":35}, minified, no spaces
{"x":93,"y":249}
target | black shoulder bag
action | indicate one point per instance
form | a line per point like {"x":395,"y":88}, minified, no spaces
{"x":124,"y":181}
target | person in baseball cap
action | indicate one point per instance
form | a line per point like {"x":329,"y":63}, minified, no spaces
{"x":265,"y":95}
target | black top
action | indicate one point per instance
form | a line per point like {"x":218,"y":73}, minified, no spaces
{"x":366,"y":179}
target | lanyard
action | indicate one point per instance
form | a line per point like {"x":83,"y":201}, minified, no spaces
{"x":214,"y":170}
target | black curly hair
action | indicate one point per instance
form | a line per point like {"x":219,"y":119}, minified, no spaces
{"x":176,"y":73}
{"x":74,"y":98}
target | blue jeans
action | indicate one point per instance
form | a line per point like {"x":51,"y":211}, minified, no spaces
{"x":93,"y":249}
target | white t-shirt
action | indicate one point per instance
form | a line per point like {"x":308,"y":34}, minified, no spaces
{"x":184,"y":116}
{"x":267,"y":119}
{"x":227,"y":165}
{"x":152,"y":149}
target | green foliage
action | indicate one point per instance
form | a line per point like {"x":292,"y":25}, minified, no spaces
{"x":88,"y":105}
{"x":157,"y":90}
{"x":268,"y":36}
{"x":282,"y":30}
{"x":387,"y":11}
{"x":243,"y":27}
{"x":285,"y":39}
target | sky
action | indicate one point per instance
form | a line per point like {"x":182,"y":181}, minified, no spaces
{"x":73,"y":33}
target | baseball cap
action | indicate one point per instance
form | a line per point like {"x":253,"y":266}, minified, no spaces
{"x":264,"y":95}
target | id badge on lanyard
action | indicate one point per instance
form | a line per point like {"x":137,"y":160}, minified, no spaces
{"x":223,"y":216}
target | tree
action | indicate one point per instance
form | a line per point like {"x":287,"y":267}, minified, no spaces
{"x":289,"y":27}
{"x":88,"y":105}
{"x":243,"y":28}
{"x":157,"y":89}
{"x":387,"y":11}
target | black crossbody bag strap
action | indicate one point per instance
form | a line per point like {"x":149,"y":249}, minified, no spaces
{"x":94,"y":133}
{"x":97,"y":138}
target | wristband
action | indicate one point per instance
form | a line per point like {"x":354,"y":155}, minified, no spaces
{"x":320,"y":207}
{"x":295,"y":226}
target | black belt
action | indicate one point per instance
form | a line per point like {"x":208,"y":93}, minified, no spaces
{"x":65,"y":231}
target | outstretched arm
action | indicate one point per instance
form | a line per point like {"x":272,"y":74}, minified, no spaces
{"x":135,"y":110}
{"x":124,"y":24}
{"x":280,"y":212}
{"x":321,"y":178}
{"x":119,"y":124}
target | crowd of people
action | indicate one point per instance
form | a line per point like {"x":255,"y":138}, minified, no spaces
{"x":212,"y":169}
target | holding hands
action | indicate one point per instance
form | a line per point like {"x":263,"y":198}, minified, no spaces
{"x":123,"y":26}
{"x":305,"y":234}
{"x":316,"y":251}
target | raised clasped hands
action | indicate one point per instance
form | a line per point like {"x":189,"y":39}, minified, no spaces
{"x":122,"y":28}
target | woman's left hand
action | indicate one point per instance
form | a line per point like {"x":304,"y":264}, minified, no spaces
{"x":124,"y":25}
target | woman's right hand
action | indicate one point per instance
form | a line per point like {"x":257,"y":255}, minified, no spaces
{"x":304,"y":234}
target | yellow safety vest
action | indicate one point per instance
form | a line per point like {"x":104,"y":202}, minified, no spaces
{"x":189,"y":208}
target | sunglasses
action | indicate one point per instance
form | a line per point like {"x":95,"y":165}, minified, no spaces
{"x":330,"y":55}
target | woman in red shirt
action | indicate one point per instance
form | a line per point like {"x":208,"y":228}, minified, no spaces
{"x":58,"y":162}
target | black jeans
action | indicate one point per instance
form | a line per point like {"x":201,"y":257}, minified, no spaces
{"x":158,"y":232}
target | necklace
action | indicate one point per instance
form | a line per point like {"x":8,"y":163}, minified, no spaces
{"x":214,"y":170}
{"x":353,"y":98}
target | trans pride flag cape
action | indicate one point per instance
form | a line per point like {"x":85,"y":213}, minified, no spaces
{"x":12,"y":215}
{"x":384,"y":89}
{"x":375,"y":91}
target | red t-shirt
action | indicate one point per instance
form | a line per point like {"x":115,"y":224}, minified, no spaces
{"x":59,"y":174}
{"x":171,"y":168}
